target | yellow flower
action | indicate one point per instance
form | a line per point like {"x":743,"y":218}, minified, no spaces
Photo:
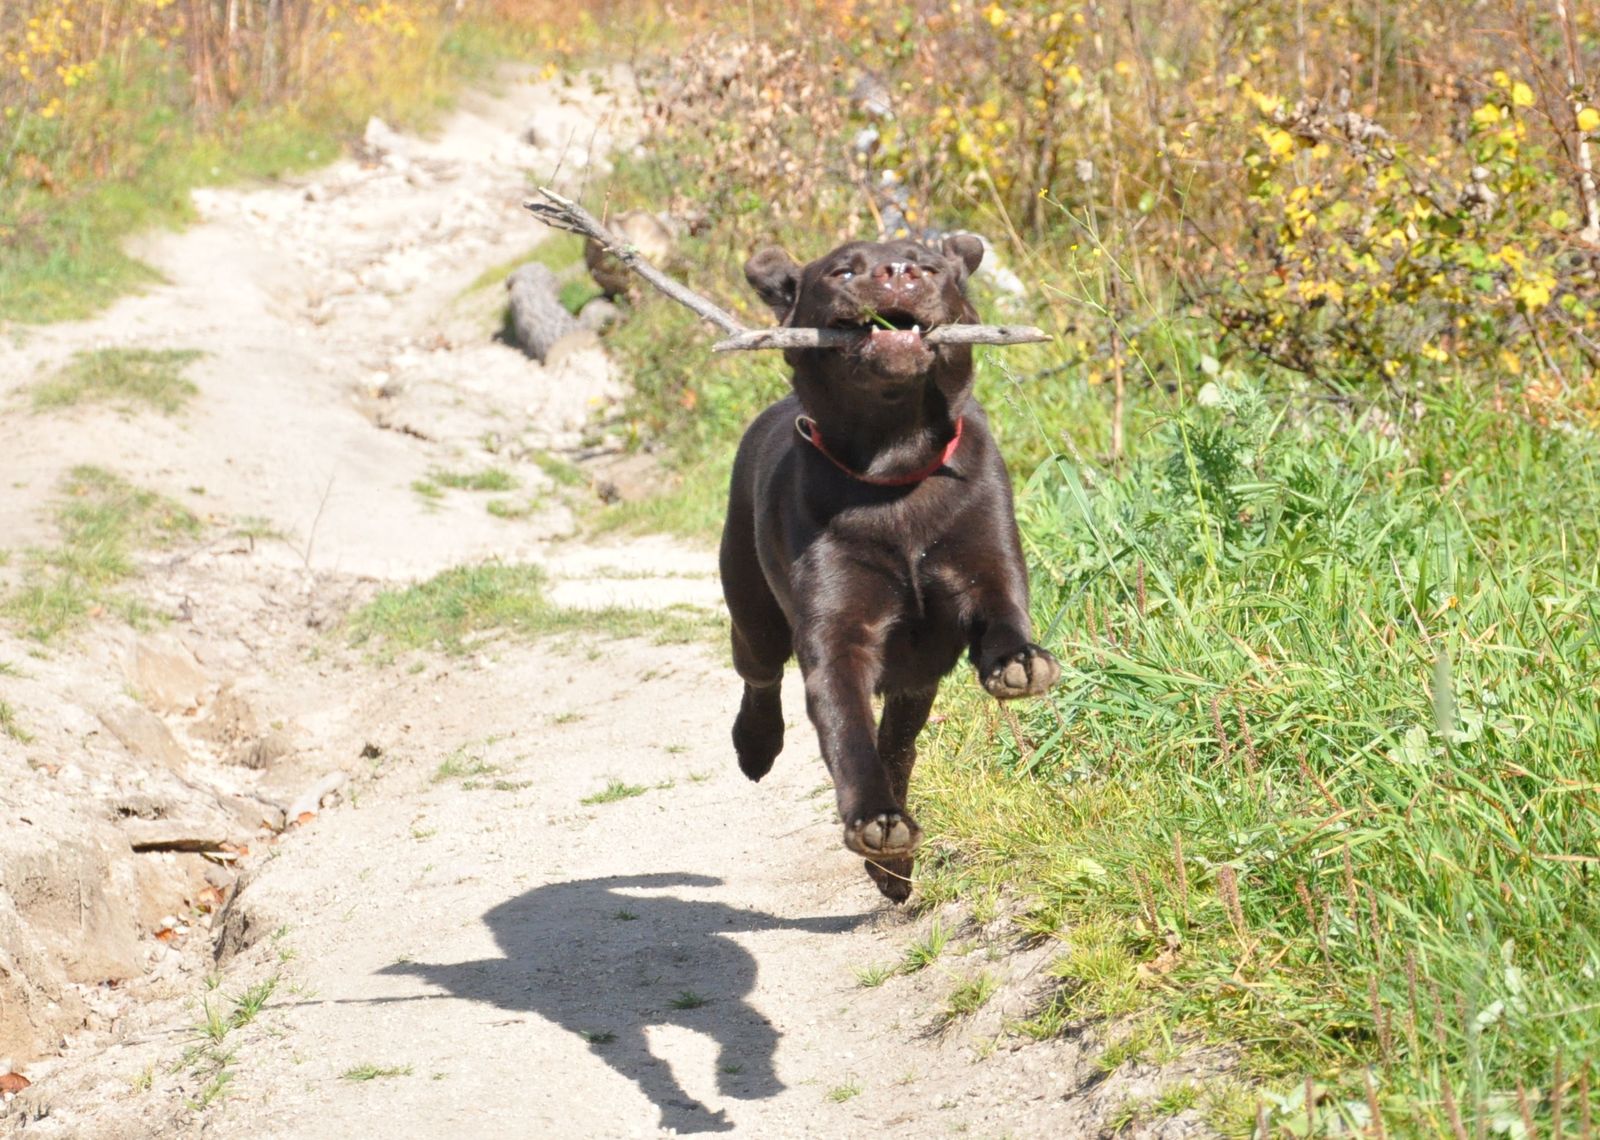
{"x":1588,"y":119}
{"x":1521,"y":95}
{"x":995,"y":14}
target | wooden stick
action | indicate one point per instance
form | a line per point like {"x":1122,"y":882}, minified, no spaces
{"x":848,"y":338}
{"x":562,"y":213}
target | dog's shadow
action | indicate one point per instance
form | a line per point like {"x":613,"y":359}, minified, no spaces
{"x":604,"y":964}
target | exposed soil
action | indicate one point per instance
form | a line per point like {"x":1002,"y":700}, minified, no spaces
{"x":457,"y":943}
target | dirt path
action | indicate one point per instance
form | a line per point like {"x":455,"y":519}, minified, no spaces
{"x":464,"y":941}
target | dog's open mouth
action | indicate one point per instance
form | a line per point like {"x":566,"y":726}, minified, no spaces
{"x":894,"y":341}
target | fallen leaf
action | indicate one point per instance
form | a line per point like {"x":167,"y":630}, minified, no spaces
{"x":166,"y":934}
{"x":209,"y":899}
{"x":13,"y":1083}
{"x":305,"y":817}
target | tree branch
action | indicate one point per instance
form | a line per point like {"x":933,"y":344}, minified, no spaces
{"x":562,"y":213}
{"x":849,"y":338}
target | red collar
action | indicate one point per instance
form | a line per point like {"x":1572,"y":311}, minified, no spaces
{"x":807,"y":427}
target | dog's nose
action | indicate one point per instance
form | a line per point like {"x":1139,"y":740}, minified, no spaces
{"x":898,"y":272}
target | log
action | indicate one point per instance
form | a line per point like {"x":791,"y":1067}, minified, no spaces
{"x":842,"y":338}
{"x":537,"y":314}
{"x":564,"y":214}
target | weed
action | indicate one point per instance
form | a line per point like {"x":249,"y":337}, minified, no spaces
{"x":597,"y":1036}
{"x":613,"y":791}
{"x":463,"y":606}
{"x":968,"y":997}
{"x":851,"y":1089}
{"x":489,"y":479}
{"x":463,"y":765}
{"x":625,"y":916}
{"x":371,"y":1072}
{"x":126,"y":377}
{"x":11,"y":726}
{"x":871,"y":977}
{"x":925,"y":951}
{"x":102,"y":518}
{"x":687,"y":999}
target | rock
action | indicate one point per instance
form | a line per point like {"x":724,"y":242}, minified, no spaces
{"x":268,"y":750}
{"x":173,"y":835}
{"x":380,"y":139}
{"x":252,"y":814}
{"x":598,"y":314}
{"x":537,"y":315}
{"x":165,"y":675}
{"x":311,"y":799}
{"x":646,"y":233}
{"x":144,"y":735}
{"x":574,"y":342}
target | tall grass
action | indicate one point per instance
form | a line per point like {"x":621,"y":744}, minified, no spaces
{"x":1329,"y":716}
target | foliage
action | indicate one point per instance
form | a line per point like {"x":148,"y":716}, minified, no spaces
{"x":127,"y":376}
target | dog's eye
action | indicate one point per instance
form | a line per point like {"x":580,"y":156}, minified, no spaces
{"x":843,"y":273}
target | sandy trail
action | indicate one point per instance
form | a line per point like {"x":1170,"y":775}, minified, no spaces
{"x":468,"y":944}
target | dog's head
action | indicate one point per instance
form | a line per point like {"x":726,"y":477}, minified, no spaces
{"x":892,"y":291}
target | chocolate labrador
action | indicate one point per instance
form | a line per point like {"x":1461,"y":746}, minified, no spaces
{"x":870,"y":533}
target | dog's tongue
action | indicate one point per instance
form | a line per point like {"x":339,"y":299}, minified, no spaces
{"x":897,"y":352}
{"x":896,"y":340}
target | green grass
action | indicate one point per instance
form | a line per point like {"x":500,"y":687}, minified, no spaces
{"x":871,"y":977}
{"x":463,"y":765}
{"x":489,"y":479}
{"x":968,"y":997}
{"x":925,"y":951}
{"x":126,"y":377}
{"x":613,"y":791}
{"x":851,"y":1089}
{"x":1328,"y":718}
{"x":102,"y":519}
{"x":465,"y":606}
{"x":688,"y":999}
{"x":12,"y":726}
{"x":371,"y":1072}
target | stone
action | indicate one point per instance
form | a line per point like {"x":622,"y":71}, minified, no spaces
{"x":144,"y":735}
{"x":166,"y":676}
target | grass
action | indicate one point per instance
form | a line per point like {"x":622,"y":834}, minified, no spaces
{"x":688,"y":999}
{"x":11,"y":726}
{"x":559,"y":251}
{"x":968,"y":997}
{"x":102,"y":519}
{"x":851,"y":1089}
{"x":1327,"y":720}
{"x":371,"y":1072}
{"x":129,"y":378}
{"x":463,"y":607}
{"x":463,"y":765}
{"x":871,"y":977}
{"x":613,"y":791}
{"x":925,"y":951}
{"x":489,"y":479}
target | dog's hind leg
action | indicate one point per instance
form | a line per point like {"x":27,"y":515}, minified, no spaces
{"x":761,"y":645}
{"x":904,"y":714}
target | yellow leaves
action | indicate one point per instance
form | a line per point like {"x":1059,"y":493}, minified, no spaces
{"x":1588,"y":120}
{"x":1521,"y":95}
{"x":1534,"y":293}
{"x":1488,"y":115}
{"x":995,"y":14}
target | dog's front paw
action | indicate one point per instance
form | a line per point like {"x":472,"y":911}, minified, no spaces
{"x":1027,"y":673}
{"x":885,"y":835}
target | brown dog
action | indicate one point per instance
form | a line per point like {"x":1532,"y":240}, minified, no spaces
{"x":870,"y":533}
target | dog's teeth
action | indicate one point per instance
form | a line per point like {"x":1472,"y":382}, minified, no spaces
{"x":916,"y":328}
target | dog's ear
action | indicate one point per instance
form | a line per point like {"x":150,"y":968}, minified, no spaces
{"x":775,"y":277}
{"x":966,"y":249}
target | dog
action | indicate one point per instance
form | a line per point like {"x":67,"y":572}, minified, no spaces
{"x":870,"y":533}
